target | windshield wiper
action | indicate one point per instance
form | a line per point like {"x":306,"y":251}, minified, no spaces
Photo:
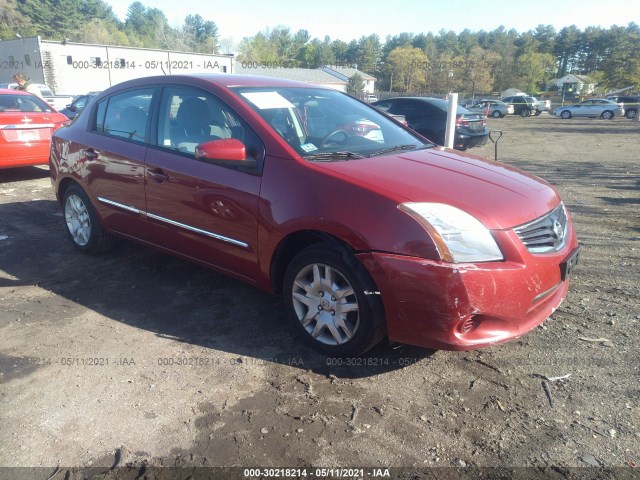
{"x":393,"y":149}
{"x":329,"y":156}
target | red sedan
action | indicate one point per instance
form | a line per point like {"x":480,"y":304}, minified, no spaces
{"x":26,"y":125}
{"x":272,"y":182}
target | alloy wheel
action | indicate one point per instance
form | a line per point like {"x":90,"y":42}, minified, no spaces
{"x":78,"y":221}
{"x":325,"y":304}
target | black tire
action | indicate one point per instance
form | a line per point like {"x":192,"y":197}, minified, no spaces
{"x":496,"y":114}
{"x":538,"y":112}
{"x":607,"y":115}
{"x":82,"y":224}
{"x":566,"y":114}
{"x":525,"y":112}
{"x":631,"y":114}
{"x":325,"y":300}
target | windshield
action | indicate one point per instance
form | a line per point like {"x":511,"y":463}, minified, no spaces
{"x":321,"y":123}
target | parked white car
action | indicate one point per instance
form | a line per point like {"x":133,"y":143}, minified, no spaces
{"x":542,"y":106}
{"x":56,"y":101}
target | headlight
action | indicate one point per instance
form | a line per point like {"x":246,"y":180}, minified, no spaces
{"x":458,"y":236}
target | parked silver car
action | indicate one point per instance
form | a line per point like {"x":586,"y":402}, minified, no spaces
{"x":594,"y":107}
{"x":491,"y":108}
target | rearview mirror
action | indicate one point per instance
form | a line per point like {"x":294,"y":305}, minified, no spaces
{"x":227,"y":151}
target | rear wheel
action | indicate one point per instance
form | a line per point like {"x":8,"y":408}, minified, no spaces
{"x":565,"y":114}
{"x":332,"y":302}
{"x":631,"y":114}
{"x":82,"y":223}
{"x":607,"y":115}
{"x":526,"y":112}
{"x":496,"y":114}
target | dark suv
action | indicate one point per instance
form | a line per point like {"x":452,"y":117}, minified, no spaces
{"x":630,"y":102}
{"x":523,"y":105}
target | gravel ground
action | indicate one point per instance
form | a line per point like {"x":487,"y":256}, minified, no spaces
{"x":135,"y":359}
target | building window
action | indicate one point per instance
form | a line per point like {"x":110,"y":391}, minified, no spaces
{"x":27,"y":59}
{"x":69,"y":60}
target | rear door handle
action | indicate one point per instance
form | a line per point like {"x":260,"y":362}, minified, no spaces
{"x":158,"y":175}
{"x":89,"y":152}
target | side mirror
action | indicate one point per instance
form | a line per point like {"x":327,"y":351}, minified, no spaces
{"x":227,"y":151}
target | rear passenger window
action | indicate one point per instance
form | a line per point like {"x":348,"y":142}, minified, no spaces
{"x":125,"y":115}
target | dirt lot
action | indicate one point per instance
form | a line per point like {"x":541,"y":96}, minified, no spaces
{"x":137,"y":359}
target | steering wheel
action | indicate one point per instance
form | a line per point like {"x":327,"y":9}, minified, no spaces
{"x":326,"y":138}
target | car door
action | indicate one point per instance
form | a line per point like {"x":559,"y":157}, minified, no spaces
{"x":195,"y":207}
{"x":111,"y":157}
{"x":586,"y":109}
{"x":602,"y":106}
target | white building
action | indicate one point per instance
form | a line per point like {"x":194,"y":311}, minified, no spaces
{"x":579,"y":84}
{"x":71,"y":68}
{"x":345,"y":73}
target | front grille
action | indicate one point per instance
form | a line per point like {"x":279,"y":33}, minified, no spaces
{"x":545,"y":234}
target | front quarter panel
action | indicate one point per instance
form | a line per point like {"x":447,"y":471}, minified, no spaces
{"x":298,"y":196}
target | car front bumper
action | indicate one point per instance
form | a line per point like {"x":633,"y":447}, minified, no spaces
{"x":466,"y":306}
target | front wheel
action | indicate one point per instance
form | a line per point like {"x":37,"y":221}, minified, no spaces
{"x":496,"y":114}
{"x":607,"y":115}
{"x":538,"y":112}
{"x":566,"y":114}
{"x":82,"y":222}
{"x":631,"y":114}
{"x":525,"y":112}
{"x":332,"y":302}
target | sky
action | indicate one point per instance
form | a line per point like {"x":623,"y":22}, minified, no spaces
{"x":347,"y":20}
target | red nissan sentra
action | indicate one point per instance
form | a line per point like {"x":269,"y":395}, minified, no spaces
{"x":366,"y":229}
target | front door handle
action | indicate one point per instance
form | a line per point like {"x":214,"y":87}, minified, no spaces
{"x":158,"y":175}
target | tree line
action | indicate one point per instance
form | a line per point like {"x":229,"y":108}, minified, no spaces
{"x":93,"y":21}
{"x":470,"y":62}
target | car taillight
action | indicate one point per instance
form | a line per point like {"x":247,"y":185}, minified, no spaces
{"x":463,"y":122}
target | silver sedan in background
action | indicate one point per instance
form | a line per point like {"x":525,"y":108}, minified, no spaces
{"x":496,"y":108}
{"x":594,"y":107}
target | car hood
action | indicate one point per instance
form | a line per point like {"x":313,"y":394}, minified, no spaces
{"x":498,"y":195}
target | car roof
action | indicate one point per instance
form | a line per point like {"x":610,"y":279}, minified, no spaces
{"x":7,"y":91}
{"x":221,"y":79}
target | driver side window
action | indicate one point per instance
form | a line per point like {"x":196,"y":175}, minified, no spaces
{"x":189,"y":116}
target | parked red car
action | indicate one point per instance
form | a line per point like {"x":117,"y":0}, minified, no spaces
{"x":365,"y":234}
{"x":26,"y":124}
